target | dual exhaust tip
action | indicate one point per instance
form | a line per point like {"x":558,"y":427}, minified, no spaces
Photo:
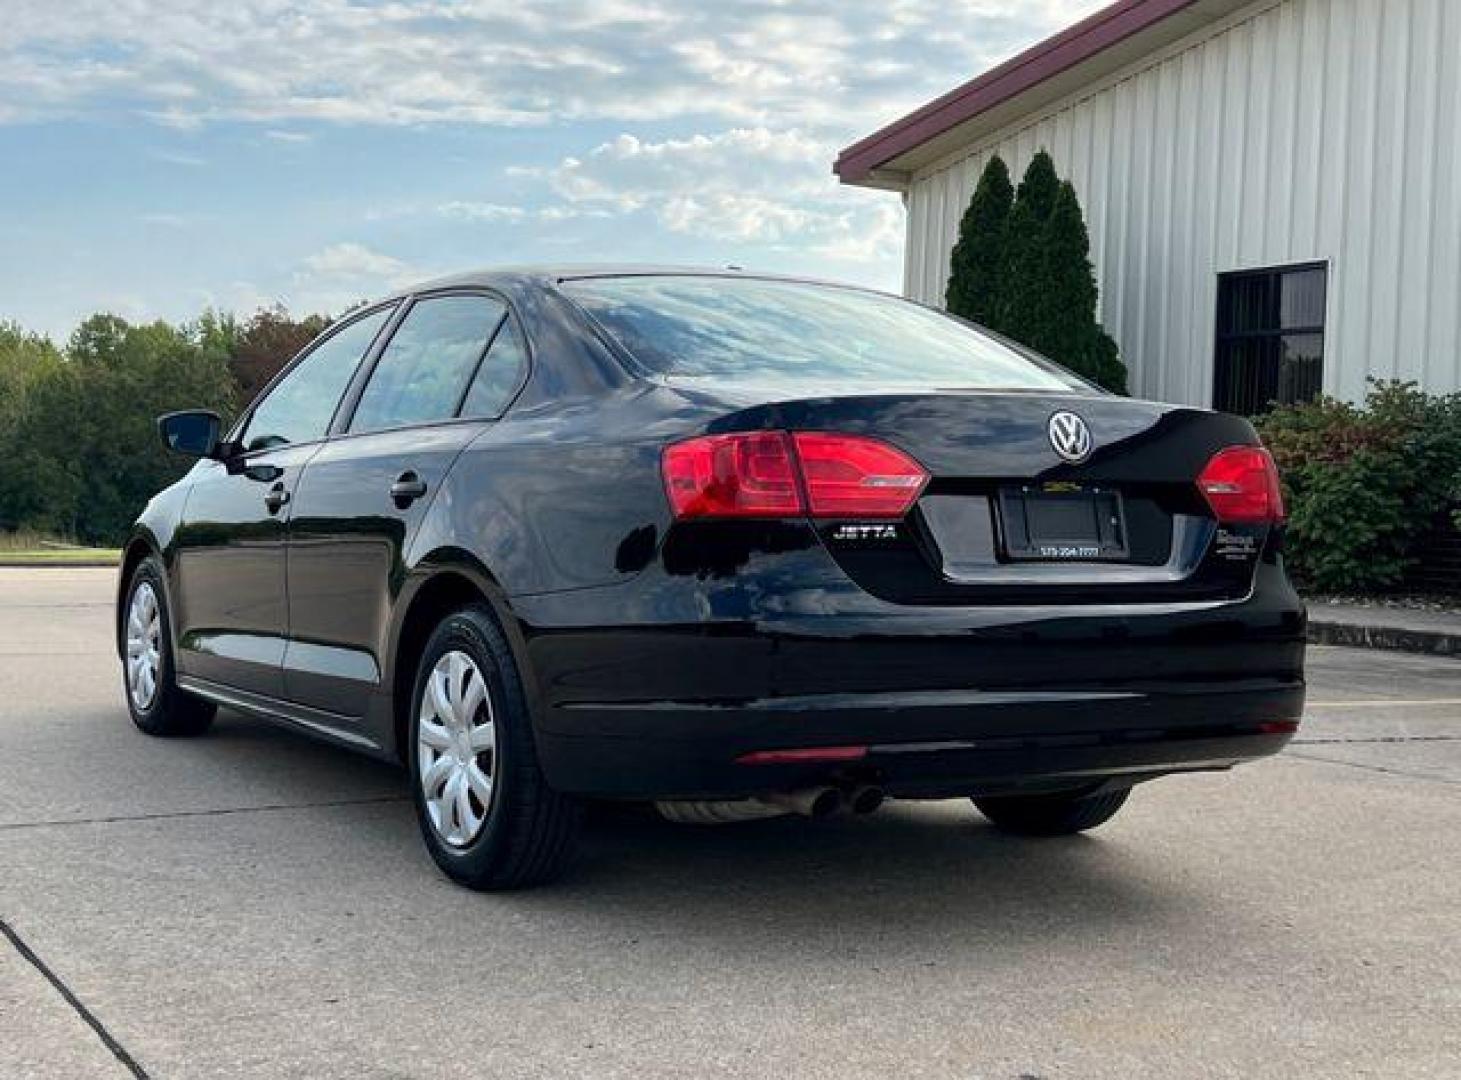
{"x":820,"y":801}
{"x":826,"y":800}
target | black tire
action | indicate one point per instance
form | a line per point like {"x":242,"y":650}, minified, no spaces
{"x":530,"y":831}
{"x":1061,"y":814}
{"x":171,"y":712}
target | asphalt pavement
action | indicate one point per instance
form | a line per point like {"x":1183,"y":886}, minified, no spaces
{"x":255,"y":904}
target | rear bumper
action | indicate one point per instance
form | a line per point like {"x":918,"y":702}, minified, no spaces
{"x":930,"y":744}
{"x":654,"y":688}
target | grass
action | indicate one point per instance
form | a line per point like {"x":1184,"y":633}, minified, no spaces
{"x":36,"y":549}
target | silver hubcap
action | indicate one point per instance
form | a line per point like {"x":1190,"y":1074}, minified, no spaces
{"x":456,"y":748}
{"x":144,"y":646}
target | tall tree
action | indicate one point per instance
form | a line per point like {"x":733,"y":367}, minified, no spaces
{"x":98,"y":422}
{"x":1065,"y":325}
{"x":1024,"y":304}
{"x":1043,"y":291}
{"x":26,"y":360}
{"x":78,"y":440}
{"x":264,"y":344}
{"x":977,"y":264}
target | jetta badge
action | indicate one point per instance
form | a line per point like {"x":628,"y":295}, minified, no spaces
{"x":1069,"y":436}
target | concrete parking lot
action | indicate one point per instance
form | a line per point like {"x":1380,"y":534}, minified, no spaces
{"x":253,"y":903}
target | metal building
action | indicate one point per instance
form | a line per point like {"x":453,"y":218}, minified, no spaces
{"x":1273,"y":188}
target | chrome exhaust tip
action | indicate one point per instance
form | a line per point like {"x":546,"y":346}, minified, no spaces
{"x":813,"y":802}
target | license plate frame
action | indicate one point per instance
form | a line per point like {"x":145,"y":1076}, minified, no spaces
{"x":1063,"y":523}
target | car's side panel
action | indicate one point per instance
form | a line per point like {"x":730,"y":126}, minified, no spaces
{"x":559,"y":497}
{"x":347,"y":543}
{"x":230,"y":607}
{"x":464,"y":577}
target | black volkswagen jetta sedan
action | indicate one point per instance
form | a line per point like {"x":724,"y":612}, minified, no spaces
{"x":740,"y":545}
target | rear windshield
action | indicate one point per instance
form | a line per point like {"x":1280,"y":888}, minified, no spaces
{"x":762,"y":332}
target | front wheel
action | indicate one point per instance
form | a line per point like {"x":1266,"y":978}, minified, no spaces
{"x":154,"y":699}
{"x":488,"y":816}
{"x":1051,"y":815}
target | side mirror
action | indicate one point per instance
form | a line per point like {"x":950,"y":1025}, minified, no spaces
{"x":195,"y":433}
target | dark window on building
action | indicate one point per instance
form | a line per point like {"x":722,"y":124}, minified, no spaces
{"x":1270,"y":339}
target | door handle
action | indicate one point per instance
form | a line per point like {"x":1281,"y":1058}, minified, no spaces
{"x":276,"y":498}
{"x":407,"y":489}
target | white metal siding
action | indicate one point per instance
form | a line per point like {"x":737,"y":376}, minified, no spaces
{"x":1302,"y":131}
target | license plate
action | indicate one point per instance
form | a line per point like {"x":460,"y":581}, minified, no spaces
{"x":1062,"y":523}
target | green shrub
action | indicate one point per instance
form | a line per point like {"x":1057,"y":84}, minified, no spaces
{"x":1364,"y":484}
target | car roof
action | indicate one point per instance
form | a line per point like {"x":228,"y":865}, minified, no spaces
{"x":509,"y":278}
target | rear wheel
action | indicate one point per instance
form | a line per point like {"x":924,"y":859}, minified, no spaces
{"x":156,"y":703}
{"x":486,"y":812}
{"x":1051,"y":815}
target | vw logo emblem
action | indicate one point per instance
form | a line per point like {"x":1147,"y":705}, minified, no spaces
{"x":1069,"y":436}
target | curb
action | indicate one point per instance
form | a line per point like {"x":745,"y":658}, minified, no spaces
{"x":1396,"y":638}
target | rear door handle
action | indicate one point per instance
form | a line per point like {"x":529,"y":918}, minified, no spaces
{"x":275,"y":500}
{"x":407,"y":489}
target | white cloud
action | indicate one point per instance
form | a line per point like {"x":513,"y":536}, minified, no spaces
{"x":627,"y":171}
{"x":354,"y":262}
{"x":774,"y":88}
{"x":481,"y":211}
{"x":818,"y":64}
{"x":342,"y":275}
{"x":742,"y":186}
{"x":241,"y":297}
{"x":179,"y":157}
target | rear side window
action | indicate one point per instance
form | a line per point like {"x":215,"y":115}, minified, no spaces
{"x":501,"y":372}
{"x":423,"y":371}
{"x":301,"y":405}
{"x":802,"y":335}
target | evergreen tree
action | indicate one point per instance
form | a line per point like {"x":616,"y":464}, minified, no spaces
{"x":1065,"y":327}
{"x":1023,"y":304}
{"x":1043,"y":292}
{"x":977,"y":265}
{"x":1110,"y":372}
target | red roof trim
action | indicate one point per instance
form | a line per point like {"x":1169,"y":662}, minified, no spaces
{"x":1065,"y":50}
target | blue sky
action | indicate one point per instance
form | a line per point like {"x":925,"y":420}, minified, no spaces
{"x":161,"y":156}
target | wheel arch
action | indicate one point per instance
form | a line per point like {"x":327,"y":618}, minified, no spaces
{"x":446,"y":580}
{"x":138,"y":547}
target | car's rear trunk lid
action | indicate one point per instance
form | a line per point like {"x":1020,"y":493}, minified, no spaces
{"x":1007,"y":518}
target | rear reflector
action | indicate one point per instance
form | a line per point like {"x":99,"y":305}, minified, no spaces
{"x":804,"y":756}
{"x":1279,"y":727}
{"x":777,"y":474}
{"x":1241,"y":485}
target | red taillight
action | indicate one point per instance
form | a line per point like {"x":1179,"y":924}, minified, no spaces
{"x":749,"y":475}
{"x":852,"y":477}
{"x":776,"y":474}
{"x":1241,"y":485}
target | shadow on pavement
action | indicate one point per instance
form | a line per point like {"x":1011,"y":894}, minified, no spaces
{"x":912,"y":879}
